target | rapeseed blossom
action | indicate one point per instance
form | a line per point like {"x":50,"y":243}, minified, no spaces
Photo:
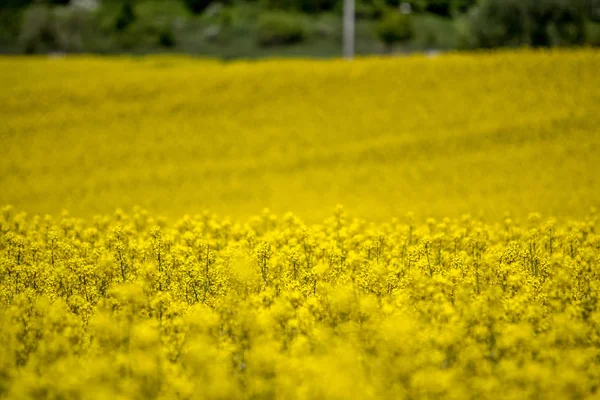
{"x":131,"y":306}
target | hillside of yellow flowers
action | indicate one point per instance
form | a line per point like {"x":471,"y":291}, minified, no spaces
{"x":129,"y":306}
{"x":464,"y":264}
{"x":441,"y":136}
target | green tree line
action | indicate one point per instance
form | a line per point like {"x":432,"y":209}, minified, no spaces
{"x":47,"y":25}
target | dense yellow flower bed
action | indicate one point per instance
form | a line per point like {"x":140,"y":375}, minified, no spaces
{"x":311,"y":305}
{"x":480,"y":133}
{"x":129,"y":306}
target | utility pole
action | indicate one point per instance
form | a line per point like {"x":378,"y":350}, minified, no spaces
{"x":349,"y":29}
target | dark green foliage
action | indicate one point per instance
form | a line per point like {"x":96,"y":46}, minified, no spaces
{"x":444,"y":8}
{"x":307,"y":6}
{"x":279,"y":28}
{"x":368,"y":9}
{"x":592,"y":34}
{"x":433,"y":32}
{"x":464,"y":6}
{"x":166,"y":38}
{"x":5,"y":4}
{"x":149,"y":25}
{"x":39,"y":32}
{"x":197,"y":6}
{"x":593,"y":10}
{"x":557,"y":22}
{"x":14,"y":3}
{"x":10,"y":24}
{"x":395,"y":27}
{"x":126,"y":16}
{"x":537,"y":23}
{"x":315,"y":6}
{"x":73,"y":26}
{"x":47,"y":29}
{"x":500,"y":23}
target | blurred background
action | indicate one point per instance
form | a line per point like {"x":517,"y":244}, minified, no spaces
{"x":230,"y":29}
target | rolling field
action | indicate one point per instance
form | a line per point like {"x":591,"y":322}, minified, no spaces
{"x":480,"y":134}
{"x":175,"y":230}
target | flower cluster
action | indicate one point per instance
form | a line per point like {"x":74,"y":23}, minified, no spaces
{"x":131,"y":306}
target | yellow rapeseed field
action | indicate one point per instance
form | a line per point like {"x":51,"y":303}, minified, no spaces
{"x":138,"y":261}
{"x":443,"y":136}
{"x":128,"y":306}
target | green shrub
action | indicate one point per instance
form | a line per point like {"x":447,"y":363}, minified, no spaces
{"x":126,"y":16}
{"x":495,"y":23}
{"x":166,"y":37}
{"x":139,"y":26}
{"x":10,"y":25}
{"x":72,"y":25}
{"x":280,"y":28}
{"x":465,"y":38}
{"x":594,"y":11}
{"x":558,"y":22}
{"x":143,"y":34}
{"x":393,"y":28}
{"x":38,"y":32}
{"x":54,"y":29}
{"x":592,"y":33}
{"x":433,"y":31}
